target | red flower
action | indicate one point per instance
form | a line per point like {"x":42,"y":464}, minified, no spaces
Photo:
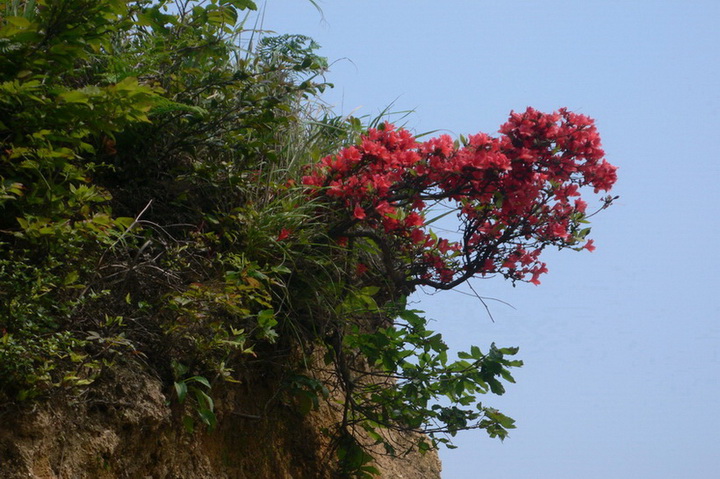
{"x":417,"y":236}
{"x":514,"y":194}
{"x":284,"y":234}
{"x":414,"y":219}
{"x":359,"y":213}
{"x":384,"y":208}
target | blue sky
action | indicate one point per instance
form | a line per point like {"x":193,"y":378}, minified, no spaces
{"x":622,"y":345}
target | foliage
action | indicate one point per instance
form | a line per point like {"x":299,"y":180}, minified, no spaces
{"x":205,"y":406}
{"x":411,"y":386}
{"x":514,"y":196}
{"x":417,"y":361}
{"x":177,"y":201}
{"x":130,"y":136}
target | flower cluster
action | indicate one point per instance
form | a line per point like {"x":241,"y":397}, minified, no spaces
{"x":514,"y":194}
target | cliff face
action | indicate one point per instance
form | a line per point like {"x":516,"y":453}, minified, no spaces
{"x":126,"y":428}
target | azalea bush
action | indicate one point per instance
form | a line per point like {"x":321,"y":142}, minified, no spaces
{"x":514,"y":195}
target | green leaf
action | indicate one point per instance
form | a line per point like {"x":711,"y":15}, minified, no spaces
{"x":71,"y":278}
{"x":240,"y":4}
{"x":305,"y":404}
{"x":20,"y":22}
{"x":266,"y":318}
{"x":181,"y":390}
{"x":199,"y":379}
{"x":204,"y":400}
{"x":281,"y":269}
{"x":74,"y":96}
{"x":189,"y":424}
{"x":208,"y":417}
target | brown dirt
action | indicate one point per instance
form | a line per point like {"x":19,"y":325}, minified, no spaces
{"x":126,"y":429}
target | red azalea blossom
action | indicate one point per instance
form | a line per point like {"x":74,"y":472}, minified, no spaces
{"x":284,"y":234}
{"x":417,"y":236}
{"x":414,"y":219}
{"x":359,"y":213}
{"x":515,"y":194}
{"x":384,"y":209}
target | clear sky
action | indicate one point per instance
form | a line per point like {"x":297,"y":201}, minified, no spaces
{"x":622,"y":345}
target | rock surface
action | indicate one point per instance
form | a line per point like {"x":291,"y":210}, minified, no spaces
{"x":126,"y":428}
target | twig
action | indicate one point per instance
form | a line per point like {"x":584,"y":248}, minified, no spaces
{"x":247,"y":416}
{"x":132,"y":225}
{"x":482,"y":301}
